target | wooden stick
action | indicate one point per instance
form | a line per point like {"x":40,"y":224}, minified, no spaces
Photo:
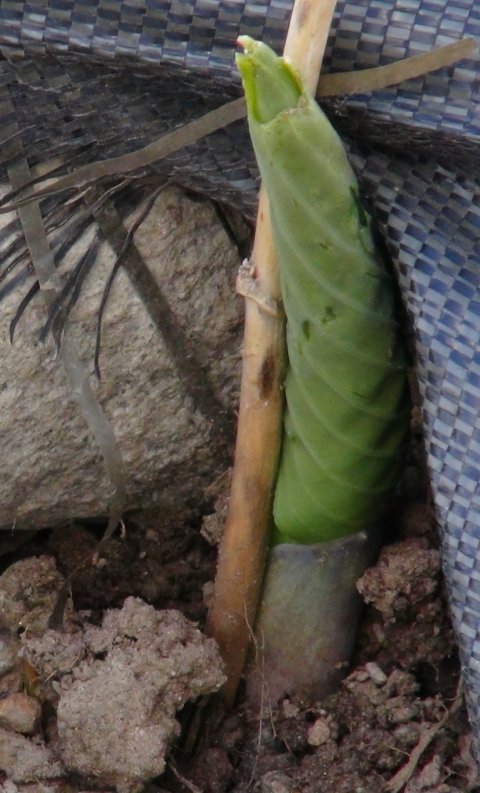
{"x":307,"y":37}
{"x":244,"y":545}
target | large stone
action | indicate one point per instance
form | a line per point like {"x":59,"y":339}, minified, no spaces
{"x":169,"y":408}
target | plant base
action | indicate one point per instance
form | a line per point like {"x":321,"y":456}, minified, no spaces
{"x":308,"y":617}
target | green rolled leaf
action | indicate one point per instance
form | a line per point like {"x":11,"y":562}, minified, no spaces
{"x":346,"y":416}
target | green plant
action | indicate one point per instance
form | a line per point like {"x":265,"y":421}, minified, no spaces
{"x":346,"y":414}
{"x":292,"y":593}
{"x":346,"y":417}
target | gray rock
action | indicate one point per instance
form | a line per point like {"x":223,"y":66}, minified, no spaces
{"x":169,"y":395}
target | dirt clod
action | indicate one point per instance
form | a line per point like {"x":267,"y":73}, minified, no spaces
{"x":28,"y":593}
{"x":7,"y":653}
{"x":408,"y":621}
{"x":275,"y":782}
{"x":27,"y":760}
{"x":118,"y":700}
{"x":407,"y":574}
{"x":11,"y":682}
{"x":213,"y":773}
{"x":113,"y":682}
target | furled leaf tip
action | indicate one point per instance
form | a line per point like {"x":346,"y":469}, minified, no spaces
{"x":271,"y":84}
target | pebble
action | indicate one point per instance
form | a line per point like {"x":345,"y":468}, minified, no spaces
{"x":319,"y":733}
{"x":9,"y":787}
{"x":360,"y":676}
{"x":275,"y":782}
{"x":376,"y":674}
{"x":208,"y":591}
{"x":20,"y":713}
{"x":290,"y":710}
{"x":401,"y":712}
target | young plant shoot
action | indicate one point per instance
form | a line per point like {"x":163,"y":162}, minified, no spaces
{"x":346,"y":415}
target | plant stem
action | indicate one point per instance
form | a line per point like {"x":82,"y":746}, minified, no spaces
{"x":244,"y":545}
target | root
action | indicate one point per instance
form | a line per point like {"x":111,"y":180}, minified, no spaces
{"x":404,"y":774}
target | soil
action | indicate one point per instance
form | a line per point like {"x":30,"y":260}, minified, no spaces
{"x":398,"y":722}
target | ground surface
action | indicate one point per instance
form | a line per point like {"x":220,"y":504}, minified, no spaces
{"x":397,"y":724}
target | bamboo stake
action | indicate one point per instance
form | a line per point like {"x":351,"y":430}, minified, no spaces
{"x":244,"y":545}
